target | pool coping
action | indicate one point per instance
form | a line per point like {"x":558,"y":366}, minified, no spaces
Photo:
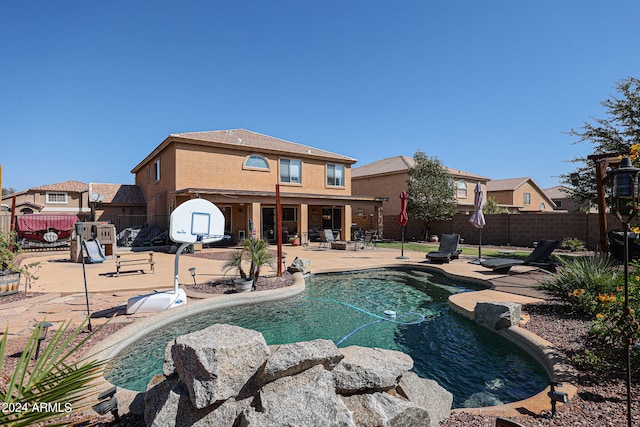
{"x":540,"y":349}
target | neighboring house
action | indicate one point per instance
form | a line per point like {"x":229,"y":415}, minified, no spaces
{"x":69,"y":197}
{"x":562,"y":198}
{"x":239,"y":170}
{"x":519,"y":195}
{"x":102,"y":202}
{"x":387,"y":178}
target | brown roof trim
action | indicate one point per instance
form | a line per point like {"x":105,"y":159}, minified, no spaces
{"x":235,"y":193}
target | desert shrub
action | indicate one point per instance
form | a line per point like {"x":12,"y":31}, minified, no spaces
{"x":572,"y":244}
{"x":580,"y":280}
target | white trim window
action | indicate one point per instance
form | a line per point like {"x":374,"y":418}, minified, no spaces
{"x":156,"y":171}
{"x":527,"y":198}
{"x":57,"y":198}
{"x":256,"y":162}
{"x":335,"y":175}
{"x":291,"y":171}
{"x":461,"y":189}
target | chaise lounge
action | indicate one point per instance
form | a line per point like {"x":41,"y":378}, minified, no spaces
{"x":448,"y":249}
{"x":538,"y":258}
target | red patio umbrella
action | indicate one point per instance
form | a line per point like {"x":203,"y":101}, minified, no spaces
{"x":403,"y":218}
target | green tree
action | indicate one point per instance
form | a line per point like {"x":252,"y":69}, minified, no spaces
{"x":491,"y":207}
{"x":615,"y":134}
{"x":430,"y":191}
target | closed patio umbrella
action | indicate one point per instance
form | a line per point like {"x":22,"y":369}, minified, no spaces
{"x":477,"y":219}
{"x":403,"y":218}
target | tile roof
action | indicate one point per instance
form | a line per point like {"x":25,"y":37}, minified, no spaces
{"x":558,"y":192}
{"x":242,"y":138}
{"x":401,"y":164}
{"x":71,"y":186}
{"x":118,"y":193}
{"x":506,"y":184}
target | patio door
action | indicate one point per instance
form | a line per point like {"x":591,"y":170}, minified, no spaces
{"x":268,"y":225}
{"x":332,"y":219}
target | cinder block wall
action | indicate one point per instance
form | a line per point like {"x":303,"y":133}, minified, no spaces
{"x":514,"y":230}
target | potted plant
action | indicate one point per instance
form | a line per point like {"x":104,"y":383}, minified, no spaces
{"x":10,"y":270}
{"x":294,"y":240}
{"x":256,"y":252}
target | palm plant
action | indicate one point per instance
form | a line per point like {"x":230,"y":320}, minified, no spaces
{"x":257,"y":253}
{"x":54,"y":384}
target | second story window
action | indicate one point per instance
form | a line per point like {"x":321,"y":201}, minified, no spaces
{"x":156,"y":170}
{"x":335,"y":175}
{"x":256,"y":162}
{"x":57,"y":198}
{"x":527,"y":198}
{"x":291,"y":171}
{"x":461,"y":189}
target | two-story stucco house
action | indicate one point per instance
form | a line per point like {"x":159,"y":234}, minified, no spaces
{"x":388,"y":177}
{"x":519,"y":195}
{"x":239,"y":171}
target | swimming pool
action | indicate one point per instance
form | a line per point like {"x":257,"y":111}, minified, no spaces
{"x":477,"y":366}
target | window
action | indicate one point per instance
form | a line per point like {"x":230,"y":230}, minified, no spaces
{"x":558,"y":203}
{"x":256,"y":162}
{"x":461,"y":189}
{"x":527,"y":198}
{"x":541,"y":206}
{"x":289,"y":214}
{"x":335,"y":175}
{"x":290,"y":171}
{"x":156,"y":170}
{"x":57,"y":198}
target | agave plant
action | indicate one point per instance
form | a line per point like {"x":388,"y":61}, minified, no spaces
{"x":256,"y":251}
{"x":53,"y":386}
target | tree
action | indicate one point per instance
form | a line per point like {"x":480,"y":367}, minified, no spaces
{"x":9,"y":190}
{"x":491,"y":207}
{"x":430,"y":191}
{"x":614,"y":134}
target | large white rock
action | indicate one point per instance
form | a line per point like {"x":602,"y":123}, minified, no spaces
{"x":217,"y":362}
{"x":369,"y":369}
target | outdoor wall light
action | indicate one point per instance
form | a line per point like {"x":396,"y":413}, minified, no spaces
{"x":625,"y":206}
{"x":43,"y":334}
{"x":192,"y":270}
{"x":556,"y":396}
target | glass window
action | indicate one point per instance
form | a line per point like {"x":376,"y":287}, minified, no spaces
{"x":527,"y":198}
{"x":541,"y":206}
{"x":290,"y":171}
{"x":289,"y":214}
{"x":335,"y":175}
{"x":558,"y":203}
{"x":461,"y":189}
{"x":59,"y":198}
{"x":156,"y":170}
{"x":257,"y":162}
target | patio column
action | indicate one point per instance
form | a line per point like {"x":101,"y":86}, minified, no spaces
{"x":303,"y":223}
{"x":347,"y":220}
{"x":255,"y":217}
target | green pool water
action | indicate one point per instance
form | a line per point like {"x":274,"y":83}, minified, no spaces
{"x":477,"y":366}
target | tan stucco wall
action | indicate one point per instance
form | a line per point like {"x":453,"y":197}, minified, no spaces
{"x":211,"y":167}
{"x":76,"y":202}
{"x":516,"y":198}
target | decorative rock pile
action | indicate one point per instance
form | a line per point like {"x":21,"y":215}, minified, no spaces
{"x":228,"y":376}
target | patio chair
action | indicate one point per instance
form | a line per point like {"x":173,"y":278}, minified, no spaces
{"x":325,"y":243}
{"x":367,"y":240}
{"x":540,"y":258}
{"x":448,"y":249}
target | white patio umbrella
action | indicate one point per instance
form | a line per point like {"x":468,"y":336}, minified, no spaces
{"x":477,"y":219}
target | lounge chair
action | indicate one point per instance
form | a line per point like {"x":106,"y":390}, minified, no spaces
{"x":448,"y":249}
{"x":538,"y":258}
{"x":324,"y":240}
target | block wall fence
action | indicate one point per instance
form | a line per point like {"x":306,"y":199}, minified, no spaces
{"x":510,"y":229}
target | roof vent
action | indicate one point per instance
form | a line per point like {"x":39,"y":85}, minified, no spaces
{"x":239,"y":140}
{"x":308,"y":151}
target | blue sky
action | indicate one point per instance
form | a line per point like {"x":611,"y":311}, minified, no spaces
{"x":90,"y":88}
